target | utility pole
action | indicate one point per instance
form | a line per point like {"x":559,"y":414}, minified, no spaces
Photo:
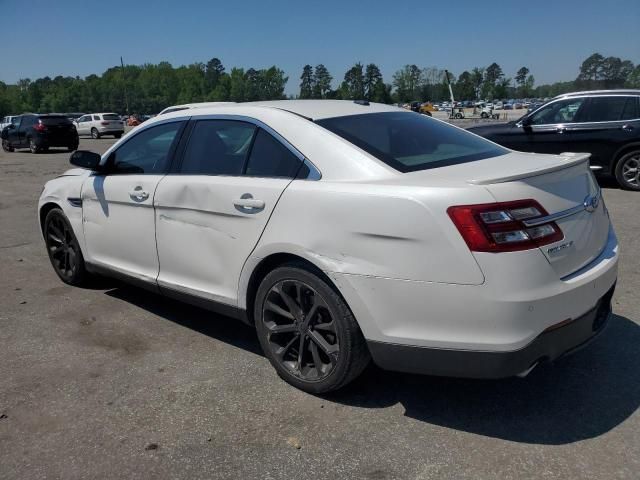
{"x":124,"y":83}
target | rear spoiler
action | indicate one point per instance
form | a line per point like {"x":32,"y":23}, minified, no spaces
{"x":565,"y":160}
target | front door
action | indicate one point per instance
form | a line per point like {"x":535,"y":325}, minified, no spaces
{"x":555,"y":127}
{"x":210,"y":215}
{"x":118,"y":215}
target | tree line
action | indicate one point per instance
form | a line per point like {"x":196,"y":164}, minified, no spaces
{"x":151,"y":87}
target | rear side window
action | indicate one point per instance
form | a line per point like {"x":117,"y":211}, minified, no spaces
{"x":605,"y":109}
{"x":410,"y":141}
{"x":269,"y":158}
{"x":631,"y":108}
{"x":96,"y":117}
{"x":110,"y":116}
{"x":53,"y":121}
{"x":217,"y":147}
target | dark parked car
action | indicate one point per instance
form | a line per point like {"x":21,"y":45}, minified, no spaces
{"x":604,"y":123}
{"x":39,"y":132}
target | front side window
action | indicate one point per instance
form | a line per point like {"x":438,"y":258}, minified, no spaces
{"x":270,"y":158}
{"x":409,"y":141}
{"x":562,"y":111}
{"x":147,"y":152}
{"x":217,"y":147}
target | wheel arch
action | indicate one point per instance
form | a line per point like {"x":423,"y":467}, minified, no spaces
{"x":261,"y":268}
{"x":43,"y":212}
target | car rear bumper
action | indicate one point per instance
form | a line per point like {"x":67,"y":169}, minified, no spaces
{"x":555,"y":342}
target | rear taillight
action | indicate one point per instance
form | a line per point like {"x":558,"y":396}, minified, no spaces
{"x":500,"y":227}
{"x":40,"y":127}
{"x":104,"y":123}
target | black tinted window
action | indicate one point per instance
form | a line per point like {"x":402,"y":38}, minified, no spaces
{"x":51,"y":121}
{"x":28,"y":121}
{"x":217,"y":147}
{"x":146,"y":152}
{"x":605,"y":109}
{"x":630,"y":111}
{"x":269,"y":158}
{"x":410,"y":141}
{"x":110,"y":116}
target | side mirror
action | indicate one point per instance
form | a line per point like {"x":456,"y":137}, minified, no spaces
{"x":11,"y":126}
{"x":526,"y":122}
{"x":85,"y":159}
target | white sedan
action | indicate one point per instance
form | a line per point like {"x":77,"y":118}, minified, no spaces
{"x":344,"y":232}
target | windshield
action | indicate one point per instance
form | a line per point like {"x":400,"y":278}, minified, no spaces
{"x":409,"y":141}
{"x":50,"y":121}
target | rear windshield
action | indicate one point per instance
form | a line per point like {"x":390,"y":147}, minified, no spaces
{"x":55,"y":120}
{"x":110,"y":116}
{"x":410,"y":141}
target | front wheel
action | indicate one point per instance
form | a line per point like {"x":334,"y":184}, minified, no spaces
{"x":95,"y":133}
{"x":6,"y":146}
{"x":63,"y":249}
{"x":307,"y":331}
{"x":628,"y":171}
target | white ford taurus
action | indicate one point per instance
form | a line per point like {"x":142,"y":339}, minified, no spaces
{"x":347,"y":231}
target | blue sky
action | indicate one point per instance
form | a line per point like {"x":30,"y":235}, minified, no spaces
{"x":551,"y":38}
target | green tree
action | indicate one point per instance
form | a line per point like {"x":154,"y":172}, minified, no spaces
{"x":321,"y":82}
{"x":352,"y":87}
{"x":307,"y":82}
{"x":373,"y":84}
{"x":407,"y":83}
{"x":213,"y":73}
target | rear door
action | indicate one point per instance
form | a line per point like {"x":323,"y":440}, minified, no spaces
{"x":82,"y":124}
{"x":608,"y":123}
{"x":118,"y":216}
{"x":211,"y":213}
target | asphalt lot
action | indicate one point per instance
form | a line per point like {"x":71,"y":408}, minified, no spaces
{"x":114,"y":382}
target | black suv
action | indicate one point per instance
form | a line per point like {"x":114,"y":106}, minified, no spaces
{"x":39,"y":132}
{"x":605,"y":123}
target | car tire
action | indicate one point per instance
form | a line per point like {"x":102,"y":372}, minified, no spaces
{"x":73,"y":148}
{"x":627,"y":170}
{"x":63,"y":249}
{"x":95,"y":133}
{"x":334,"y":351}
{"x":117,"y":135}
{"x":484,"y":115}
{"x":33,"y":147}
{"x":6,"y":146}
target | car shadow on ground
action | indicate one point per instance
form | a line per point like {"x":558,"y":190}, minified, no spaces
{"x":579,"y":397}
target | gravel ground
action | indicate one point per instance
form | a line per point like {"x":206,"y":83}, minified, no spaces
{"x":114,"y":382}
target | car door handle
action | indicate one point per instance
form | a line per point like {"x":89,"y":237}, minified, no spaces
{"x":139,"y":194}
{"x":560,"y":130}
{"x":628,"y":128}
{"x":248,"y":203}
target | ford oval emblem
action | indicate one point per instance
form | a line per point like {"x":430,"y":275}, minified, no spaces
{"x":591,"y":202}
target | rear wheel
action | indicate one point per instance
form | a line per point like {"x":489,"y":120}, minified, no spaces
{"x":628,"y":170}
{"x":6,"y":146}
{"x":63,"y":249}
{"x":307,"y":331}
{"x":95,"y":133}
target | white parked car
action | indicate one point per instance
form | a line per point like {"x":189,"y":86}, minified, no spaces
{"x":8,"y":120}
{"x":99,"y":124}
{"x":188,"y":106}
{"x":498,"y":105}
{"x":347,"y":232}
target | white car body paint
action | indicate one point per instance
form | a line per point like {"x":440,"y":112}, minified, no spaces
{"x":383,"y":237}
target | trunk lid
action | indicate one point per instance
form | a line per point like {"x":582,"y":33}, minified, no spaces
{"x":565,"y":188}
{"x":560,"y":183}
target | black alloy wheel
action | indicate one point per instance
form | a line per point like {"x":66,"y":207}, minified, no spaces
{"x":307,"y":331}
{"x":63,"y":249}
{"x":6,"y":146}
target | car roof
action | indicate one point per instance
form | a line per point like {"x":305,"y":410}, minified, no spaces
{"x":600,"y":92}
{"x":320,"y":109}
